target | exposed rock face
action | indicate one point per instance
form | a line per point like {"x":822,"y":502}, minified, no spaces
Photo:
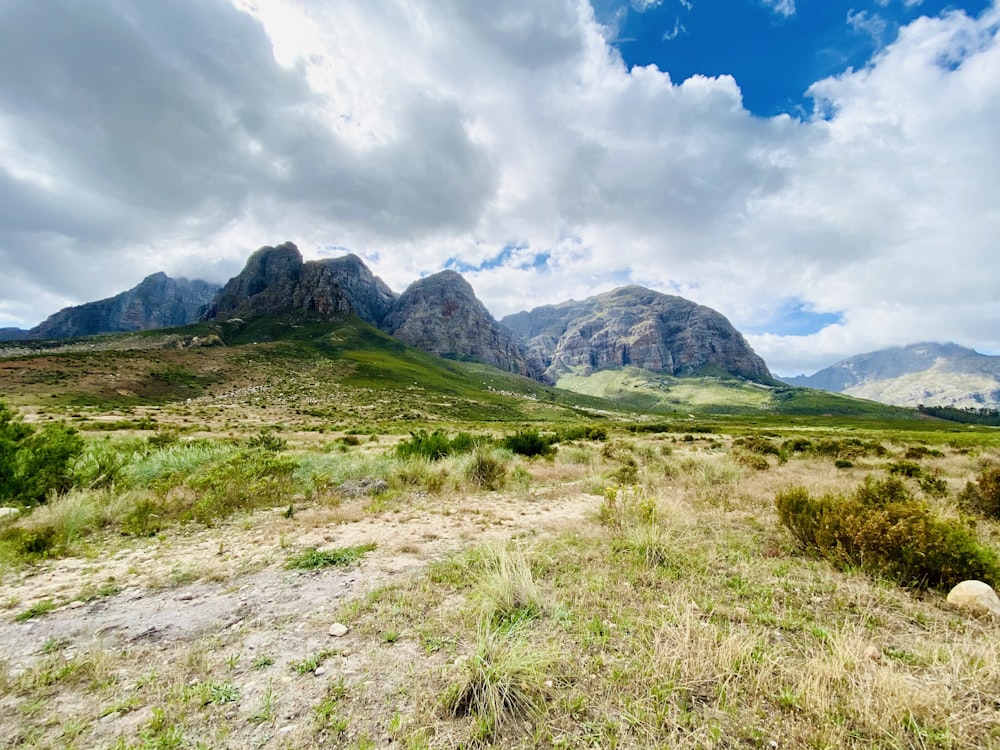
{"x":925,"y":373}
{"x":157,"y":302}
{"x":276,"y":280}
{"x":441,"y":315}
{"x":633,"y":326}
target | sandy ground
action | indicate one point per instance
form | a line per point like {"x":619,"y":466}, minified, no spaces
{"x":228,"y":585}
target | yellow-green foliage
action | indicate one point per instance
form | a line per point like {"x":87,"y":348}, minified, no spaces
{"x":882,"y":529}
{"x":983,"y":495}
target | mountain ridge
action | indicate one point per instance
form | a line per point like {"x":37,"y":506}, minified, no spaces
{"x":924,"y":373}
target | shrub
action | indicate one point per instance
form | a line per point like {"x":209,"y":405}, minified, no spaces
{"x":268,"y":441}
{"x":34,"y":463}
{"x":436,"y":445}
{"x":881,"y":529}
{"x":983,"y":496}
{"x":757,"y":444}
{"x":529,"y":443}
{"x":754,"y":461}
{"x":905,"y":469}
{"x":486,"y":471}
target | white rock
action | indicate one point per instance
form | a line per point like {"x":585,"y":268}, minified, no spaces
{"x":338,"y":630}
{"x":975,"y":596}
{"x":320,"y":671}
{"x":9,"y":513}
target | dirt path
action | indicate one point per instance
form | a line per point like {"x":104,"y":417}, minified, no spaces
{"x":190,"y":584}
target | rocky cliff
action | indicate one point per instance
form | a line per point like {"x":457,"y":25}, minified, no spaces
{"x":442,"y":315}
{"x":277,"y":280}
{"x":633,"y":326}
{"x":157,"y":302}
{"x":927,"y":373}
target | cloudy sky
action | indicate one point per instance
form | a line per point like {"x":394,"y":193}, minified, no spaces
{"x":824,"y":173}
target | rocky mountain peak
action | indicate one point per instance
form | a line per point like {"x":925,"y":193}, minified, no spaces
{"x":633,"y":326}
{"x":442,"y":315}
{"x":276,"y":280}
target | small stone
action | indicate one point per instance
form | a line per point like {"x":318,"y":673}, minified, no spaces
{"x":549,"y":684}
{"x":976,"y":597}
{"x":287,"y":729}
{"x":76,"y":604}
{"x":320,"y":671}
{"x":338,"y":630}
{"x":873,"y":653}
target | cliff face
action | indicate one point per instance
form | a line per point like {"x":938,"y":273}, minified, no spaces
{"x":633,"y":326}
{"x":275,"y":280}
{"x":441,"y":315}
{"x":157,"y":302}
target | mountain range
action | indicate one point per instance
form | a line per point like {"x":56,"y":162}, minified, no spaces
{"x":926,"y":373}
{"x":439,"y":314}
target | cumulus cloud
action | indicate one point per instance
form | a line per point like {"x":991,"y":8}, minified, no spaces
{"x":506,"y":138}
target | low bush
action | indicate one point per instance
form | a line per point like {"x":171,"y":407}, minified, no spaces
{"x":883,"y":530}
{"x":529,"y":443}
{"x":35,"y":463}
{"x":487,"y":470}
{"x":983,"y":495}
{"x":436,"y":445}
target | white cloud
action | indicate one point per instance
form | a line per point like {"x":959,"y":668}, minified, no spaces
{"x":413,"y":131}
{"x":871,"y":24}
{"x":784,"y":8}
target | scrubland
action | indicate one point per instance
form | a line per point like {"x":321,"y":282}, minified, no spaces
{"x":712,"y":583}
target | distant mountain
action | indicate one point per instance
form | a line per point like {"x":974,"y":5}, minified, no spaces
{"x":158,"y":301}
{"x":634,"y":326}
{"x":926,"y":373}
{"x":442,"y":315}
{"x":277,"y":280}
{"x":13,"y":334}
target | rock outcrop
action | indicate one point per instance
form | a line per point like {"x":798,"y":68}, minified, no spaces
{"x":276,"y":280}
{"x":442,"y":315}
{"x":157,"y":302}
{"x":633,"y":326}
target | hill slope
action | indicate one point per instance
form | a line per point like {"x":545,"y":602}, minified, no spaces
{"x":925,"y":373}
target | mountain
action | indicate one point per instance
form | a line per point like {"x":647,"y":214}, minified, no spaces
{"x":633,"y":326}
{"x":13,"y":334}
{"x":927,"y":373}
{"x":277,"y":280}
{"x":158,"y":301}
{"x":441,"y":314}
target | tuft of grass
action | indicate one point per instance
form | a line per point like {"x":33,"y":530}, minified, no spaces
{"x":502,"y":682}
{"x":36,"y":610}
{"x":312,"y":558}
{"x":505,"y":587}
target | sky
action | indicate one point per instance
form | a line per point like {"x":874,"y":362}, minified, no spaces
{"x":826,"y":174}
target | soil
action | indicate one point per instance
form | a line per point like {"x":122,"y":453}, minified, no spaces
{"x":229,"y":586}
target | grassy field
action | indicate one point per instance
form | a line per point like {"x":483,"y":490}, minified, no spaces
{"x":512,"y":565}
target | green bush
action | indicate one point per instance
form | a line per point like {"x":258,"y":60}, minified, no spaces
{"x":529,"y":443}
{"x":757,"y":444}
{"x":242,"y":481}
{"x":905,"y":469}
{"x":436,"y":445}
{"x":34,"y":463}
{"x":881,"y":529}
{"x":983,"y":496}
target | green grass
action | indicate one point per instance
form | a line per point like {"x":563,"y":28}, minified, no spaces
{"x":312,"y":558}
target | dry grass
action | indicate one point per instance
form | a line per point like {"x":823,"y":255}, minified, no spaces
{"x":686,"y":619}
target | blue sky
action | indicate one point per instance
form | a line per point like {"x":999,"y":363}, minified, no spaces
{"x":775,"y":50}
{"x":823,"y":173}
